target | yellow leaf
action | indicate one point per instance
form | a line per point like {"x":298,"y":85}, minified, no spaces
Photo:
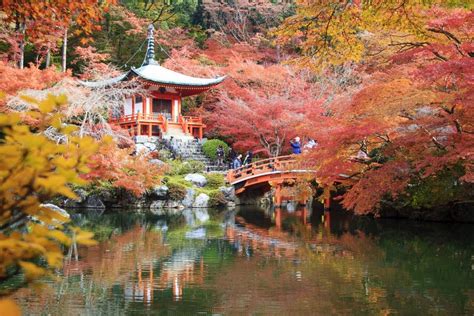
{"x":8,"y":307}
{"x":32,"y":271}
{"x":59,"y":236}
{"x":85,"y":238}
{"x":54,"y":259}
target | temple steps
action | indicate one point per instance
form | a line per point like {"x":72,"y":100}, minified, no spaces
{"x":192,"y":150}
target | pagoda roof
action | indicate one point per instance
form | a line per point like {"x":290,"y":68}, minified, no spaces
{"x":158,"y":75}
{"x":151,"y":71}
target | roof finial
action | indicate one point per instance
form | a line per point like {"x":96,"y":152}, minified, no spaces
{"x":150,"y":51}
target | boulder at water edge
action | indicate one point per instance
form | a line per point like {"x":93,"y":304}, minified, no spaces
{"x":229,"y":193}
{"x":202,"y":200}
{"x":188,"y":198}
{"x":196,"y":179}
{"x":160,"y":191}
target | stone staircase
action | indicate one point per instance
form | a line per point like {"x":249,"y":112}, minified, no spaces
{"x":192,"y":150}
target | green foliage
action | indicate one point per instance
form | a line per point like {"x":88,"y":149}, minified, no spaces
{"x":179,"y":167}
{"x":214,"y":180}
{"x":209,"y":148}
{"x":439,"y":189}
{"x":217,"y":198}
{"x":176,"y":191}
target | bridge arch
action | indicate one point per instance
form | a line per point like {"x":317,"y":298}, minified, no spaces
{"x":275,"y":171}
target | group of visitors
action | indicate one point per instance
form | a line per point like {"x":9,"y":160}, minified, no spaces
{"x":296,"y":145}
{"x":235,"y":159}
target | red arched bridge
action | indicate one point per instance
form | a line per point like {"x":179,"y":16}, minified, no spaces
{"x":274,"y":171}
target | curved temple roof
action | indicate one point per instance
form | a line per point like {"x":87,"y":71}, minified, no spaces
{"x":159,"y":74}
{"x":150,"y":70}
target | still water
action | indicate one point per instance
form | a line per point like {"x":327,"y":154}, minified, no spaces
{"x":253,"y":261}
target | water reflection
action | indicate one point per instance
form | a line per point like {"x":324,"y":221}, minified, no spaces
{"x":262,"y":261}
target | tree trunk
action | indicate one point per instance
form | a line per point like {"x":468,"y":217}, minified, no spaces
{"x":21,"y":62}
{"x":48,"y":56}
{"x":63,"y":66}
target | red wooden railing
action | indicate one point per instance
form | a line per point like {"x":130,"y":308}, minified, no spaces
{"x":280,"y":163}
{"x":159,"y":118}
{"x":194,"y":120}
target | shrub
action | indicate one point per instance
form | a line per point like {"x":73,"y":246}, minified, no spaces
{"x":217,"y":198}
{"x":192,"y":166}
{"x":209,"y":148}
{"x":176,"y":192}
{"x":214,"y":180}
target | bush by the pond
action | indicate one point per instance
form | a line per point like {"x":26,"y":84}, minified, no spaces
{"x":217,"y":198}
{"x":209,"y":148}
{"x":176,"y":192}
{"x":178,"y":167}
{"x":214,"y":180}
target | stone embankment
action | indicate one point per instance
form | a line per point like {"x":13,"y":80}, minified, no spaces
{"x":157,"y":198}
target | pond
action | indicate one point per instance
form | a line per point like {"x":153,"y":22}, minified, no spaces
{"x":261,"y":261}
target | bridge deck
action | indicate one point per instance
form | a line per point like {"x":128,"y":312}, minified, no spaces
{"x":266,"y":170}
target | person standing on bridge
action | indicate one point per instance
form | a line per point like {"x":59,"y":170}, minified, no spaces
{"x":296,"y":145}
{"x":248,"y":158}
{"x":238,"y":162}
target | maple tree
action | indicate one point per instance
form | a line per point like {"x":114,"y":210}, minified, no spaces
{"x":118,"y":168}
{"x":409,"y":125}
{"x":41,"y":21}
{"x":14,"y":80}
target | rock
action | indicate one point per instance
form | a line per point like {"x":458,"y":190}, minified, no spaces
{"x":75,"y":203}
{"x":188,"y":198}
{"x":196,"y":179}
{"x":140,"y":148}
{"x":150,"y":146}
{"x":93,"y":201}
{"x":229,"y":193}
{"x":160,"y":191}
{"x":145,"y":139}
{"x":202,"y":200}
{"x":230,"y":204}
{"x":157,"y":204}
{"x":157,"y":162}
{"x":57,"y":209}
{"x":173,"y":204}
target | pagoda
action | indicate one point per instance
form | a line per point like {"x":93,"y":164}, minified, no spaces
{"x":158,"y":111}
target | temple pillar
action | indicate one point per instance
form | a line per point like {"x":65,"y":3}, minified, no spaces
{"x":149,"y":130}
{"x":200,"y":132}
{"x":278,"y":197}
{"x":175,"y":110}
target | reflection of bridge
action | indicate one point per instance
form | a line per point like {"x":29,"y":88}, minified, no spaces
{"x":274,"y":171}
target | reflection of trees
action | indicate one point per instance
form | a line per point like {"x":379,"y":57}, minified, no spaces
{"x":321,"y":263}
{"x":336,"y":268}
{"x":132,"y":266}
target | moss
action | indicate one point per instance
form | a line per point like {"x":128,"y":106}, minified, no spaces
{"x":214,"y":180}
{"x":179,"y":167}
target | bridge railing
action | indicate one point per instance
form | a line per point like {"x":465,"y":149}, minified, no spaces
{"x":280,"y":163}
